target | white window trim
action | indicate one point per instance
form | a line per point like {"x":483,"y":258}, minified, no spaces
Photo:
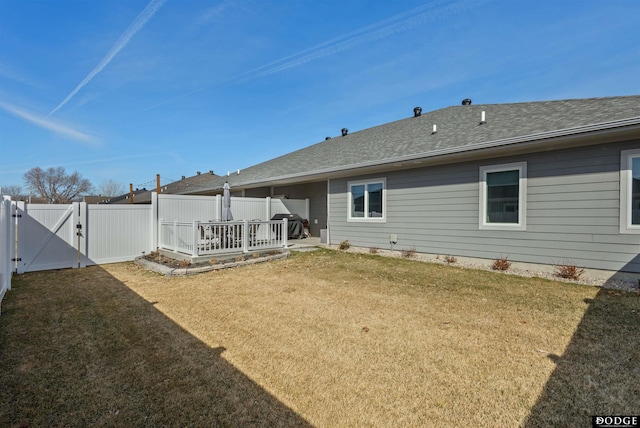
{"x":522,"y":197}
{"x":625,"y":192}
{"x":382,"y":219}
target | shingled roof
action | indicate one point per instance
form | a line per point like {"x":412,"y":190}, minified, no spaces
{"x":458,"y":130}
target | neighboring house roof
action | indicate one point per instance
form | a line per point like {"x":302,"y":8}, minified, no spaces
{"x":97,"y":199}
{"x":458,"y":130}
{"x":138,"y":197}
{"x":194,"y":184}
{"x":187,"y":185}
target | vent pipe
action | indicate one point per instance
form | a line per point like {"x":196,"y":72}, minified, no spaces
{"x":435,"y":129}
{"x":482,"y":118}
{"x":466,"y":102}
{"x":345,"y":131}
{"x":417,"y":111}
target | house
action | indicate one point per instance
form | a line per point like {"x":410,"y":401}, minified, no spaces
{"x":548,"y":182}
{"x":186,"y":185}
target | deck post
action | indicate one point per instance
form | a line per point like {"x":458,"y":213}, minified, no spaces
{"x":196,"y":238}
{"x":245,"y":236}
{"x":285,"y":232}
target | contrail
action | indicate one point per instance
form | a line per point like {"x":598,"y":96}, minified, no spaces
{"x":49,"y":124}
{"x":136,"y":25}
{"x":377,"y":31}
{"x":429,"y":12}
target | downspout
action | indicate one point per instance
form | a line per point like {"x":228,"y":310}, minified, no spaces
{"x":328,"y":210}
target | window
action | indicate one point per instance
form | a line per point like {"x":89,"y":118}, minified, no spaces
{"x":503,"y":196}
{"x":367,"y":200}
{"x":630,"y":191}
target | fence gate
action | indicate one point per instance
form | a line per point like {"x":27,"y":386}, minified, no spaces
{"x":47,"y":236}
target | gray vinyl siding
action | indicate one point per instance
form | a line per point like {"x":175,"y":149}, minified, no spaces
{"x":317,"y":194}
{"x":260,"y":192}
{"x":573,"y":209}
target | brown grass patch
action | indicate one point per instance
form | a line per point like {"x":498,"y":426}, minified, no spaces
{"x":325,"y":337}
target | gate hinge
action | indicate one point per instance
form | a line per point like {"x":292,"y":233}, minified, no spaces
{"x":16,"y":215}
{"x":17,"y":259}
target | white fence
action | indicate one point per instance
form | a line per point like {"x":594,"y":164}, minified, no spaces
{"x":209,"y":238}
{"x":209,"y":208}
{"x":41,"y":237}
{"x":7,"y":246}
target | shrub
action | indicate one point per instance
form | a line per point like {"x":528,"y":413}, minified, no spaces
{"x":450,"y":259}
{"x":344,"y":245}
{"x":568,"y":270}
{"x":409,"y":253}
{"x":374,"y":250}
{"x":501,"y":263}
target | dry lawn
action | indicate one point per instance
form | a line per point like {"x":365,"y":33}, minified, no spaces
{"x":324,"y":338}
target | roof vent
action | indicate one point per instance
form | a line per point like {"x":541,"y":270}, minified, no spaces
{"x":211,"y":171}
{"x":183,"y":177}
{"x":198,"y":173}
{"x":417,"y":111}
{"x":466,"y":102}
{"x":327,"y":138}
{"x":345,"y":131}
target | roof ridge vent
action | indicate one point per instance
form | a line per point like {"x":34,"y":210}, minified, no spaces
{"x":345,"y":131}
{"x":417,"y":111}
{"x":466,"y":102}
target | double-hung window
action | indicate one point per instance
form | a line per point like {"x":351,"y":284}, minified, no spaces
{"x":367,"y":200}
{"x":630,"y":191}
{"x":503,"y":196}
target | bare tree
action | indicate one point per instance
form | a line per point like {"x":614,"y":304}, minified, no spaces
{"x":14,"y":191}
{"x":111,"y":188}
{"x":55,"y":186}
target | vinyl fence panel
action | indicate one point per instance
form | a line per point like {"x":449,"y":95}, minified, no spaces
{"x":7,"y":244}
{"x":117,"y":233}
{"x":47,"y":236}
{"x":290,"y":206}
{"x":250,"y":208}
{"x":189,"y":208}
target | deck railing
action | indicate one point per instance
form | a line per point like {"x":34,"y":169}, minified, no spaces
{"x":199,"y":238}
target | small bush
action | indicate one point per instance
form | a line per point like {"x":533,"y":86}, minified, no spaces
{"x":409,"y":253}
{"x":344,"y":245}
{"x":450,"y":259}
{"x":501,"y":263}
{"x":568,"y":271}
{"x":374,"y":250}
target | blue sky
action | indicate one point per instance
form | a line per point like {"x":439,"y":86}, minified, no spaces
{"x":125,"y":90}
